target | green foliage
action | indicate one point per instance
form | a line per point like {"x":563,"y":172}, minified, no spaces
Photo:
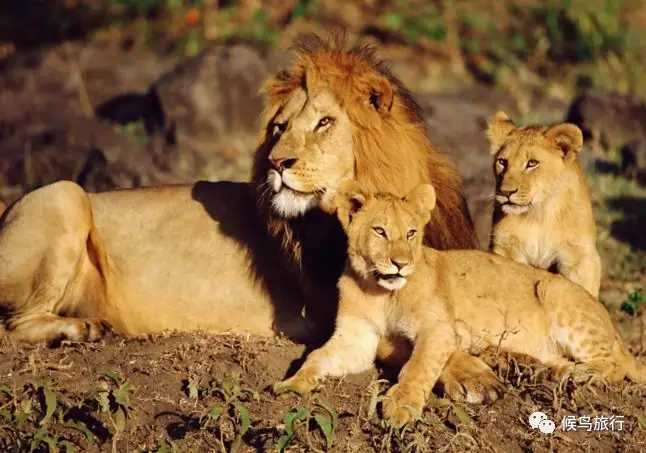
{"x":35,"y":419}
{"x":318,"y":414}
{"x":230,"y":408}
{"x":415,"y":21}
{"x":634,"y":300}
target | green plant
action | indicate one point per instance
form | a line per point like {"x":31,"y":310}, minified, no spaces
{"x":29,"y":419}
{"x":634,"y":300}
{"x":322,"y":415}
{"x":230,"y":408}
{"x":113,"y":396}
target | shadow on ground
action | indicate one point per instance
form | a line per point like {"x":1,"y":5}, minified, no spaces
{"x":631,"y":228}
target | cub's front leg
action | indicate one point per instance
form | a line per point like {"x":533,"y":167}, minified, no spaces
{"x":583,"y":267}
{"x":432,"y":350}
{"x":352,"y":349}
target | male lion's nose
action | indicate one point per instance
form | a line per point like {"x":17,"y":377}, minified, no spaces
{"x":399,"y":262}
{"x":280,"y":163}
{"x":507,"y":193}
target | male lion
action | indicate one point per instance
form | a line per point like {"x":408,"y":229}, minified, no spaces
{"x":229,"y":257}
{"x":543,"y":214}
{"x":447,"y":301}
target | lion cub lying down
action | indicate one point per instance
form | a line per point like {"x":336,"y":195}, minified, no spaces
{"x":449,"y":301}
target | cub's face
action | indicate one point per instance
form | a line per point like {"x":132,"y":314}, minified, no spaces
{"x":529,"y":162}
{"x":526,"y":173}
{"x":313,"y":152}
{"x":385,"y":234}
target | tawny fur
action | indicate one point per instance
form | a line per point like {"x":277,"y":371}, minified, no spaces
{"x":543,"y":214}
{"x":218,"y":257}
{"x":451,"y":303}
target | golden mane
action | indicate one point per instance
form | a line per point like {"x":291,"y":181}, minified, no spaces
{"x":392,"y":150}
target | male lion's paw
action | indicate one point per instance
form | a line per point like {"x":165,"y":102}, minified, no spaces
{"x":95,"y":329}
{"x":401,"y":404}
{"x":301,"y":382}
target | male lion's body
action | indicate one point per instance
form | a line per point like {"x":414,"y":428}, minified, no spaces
{"x":543,"y":214}
{"x":451,"y":302}
{"x":222,"y":256}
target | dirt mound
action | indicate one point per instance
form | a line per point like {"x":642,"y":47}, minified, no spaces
{"x":197,"y":392}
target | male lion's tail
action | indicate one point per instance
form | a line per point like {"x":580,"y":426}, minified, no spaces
{"x":635,"y":370}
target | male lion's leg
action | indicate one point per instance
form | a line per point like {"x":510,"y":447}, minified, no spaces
{"x":49,"y":327}
{"x":51,"y":262}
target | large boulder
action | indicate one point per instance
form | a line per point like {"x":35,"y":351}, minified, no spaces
{"x":203,"y":115}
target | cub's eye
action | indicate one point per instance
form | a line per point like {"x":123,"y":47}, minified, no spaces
{"x":380,"y":231}
{"x":325,"y":121}
{"x":411,"y":234}
{"x":279,"y":128}
{"x":501,"y":161}
{"x":531,"y":163}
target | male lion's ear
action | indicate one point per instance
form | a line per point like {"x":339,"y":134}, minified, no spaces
{"x":423,"y":199}
{"x":567,"y":137}
{"x":349,"y":199}
{"x":499,"y":128}
{"x":380,"y":94}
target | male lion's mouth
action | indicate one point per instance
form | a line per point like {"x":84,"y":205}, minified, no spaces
{"x":278,"y":183}
{"x":286,"y":201}
{"x":509,"y":207}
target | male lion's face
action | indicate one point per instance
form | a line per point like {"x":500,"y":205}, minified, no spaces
{"x":313,"y":153}
{"x":529,"y":162}
{"x":385,"y":233}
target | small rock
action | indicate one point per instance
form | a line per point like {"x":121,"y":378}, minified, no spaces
{"x":609,"y":118}
{"x":633,"y":161}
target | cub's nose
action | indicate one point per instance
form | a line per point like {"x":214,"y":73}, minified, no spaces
{"x":400,"y":262}
{"x":507,"y":193}
{"x":281,"y":164}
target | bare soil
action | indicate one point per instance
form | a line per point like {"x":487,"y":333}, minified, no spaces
{"x":172,"y":383}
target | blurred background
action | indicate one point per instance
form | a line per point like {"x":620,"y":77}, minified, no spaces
{"x":125,"y":93}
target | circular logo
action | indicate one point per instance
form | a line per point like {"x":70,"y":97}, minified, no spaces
{"x":535,"y":418}
{"x":546,"y":426}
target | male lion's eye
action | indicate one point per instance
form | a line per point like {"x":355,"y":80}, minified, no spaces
{"x":325,"y":121}
{"x":380,"y":231}
{"x":411,"y":234}
{"x":531,"y":163}
{"x":502,"y":162}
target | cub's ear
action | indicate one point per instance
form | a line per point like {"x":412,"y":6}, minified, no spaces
{"x":349,"y":199}
{"x":499,"y":128}
{"x":567,"y":137}
{"x":423,"y":199}
{"x":380,"y":93}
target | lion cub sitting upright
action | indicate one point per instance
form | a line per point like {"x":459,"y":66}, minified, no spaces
{"x":448,"y":301}
{"x":543,"y":214}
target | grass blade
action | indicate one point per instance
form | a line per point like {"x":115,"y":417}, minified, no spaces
{"x":50,"y":404}
{"x":327,"y":427}
{"x":244,"y":417}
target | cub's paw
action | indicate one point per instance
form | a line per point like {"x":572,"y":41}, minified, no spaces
{"x":402,"y":404}
{"x":576,"y":373}
{"x":471,"y":380}
{"x":302,"y":382}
